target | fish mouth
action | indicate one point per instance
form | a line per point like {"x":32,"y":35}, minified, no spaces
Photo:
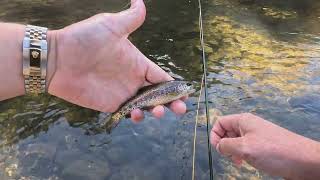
{"x":191,"y":91}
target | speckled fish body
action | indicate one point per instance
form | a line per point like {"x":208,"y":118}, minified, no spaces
{"x":150,"y":96}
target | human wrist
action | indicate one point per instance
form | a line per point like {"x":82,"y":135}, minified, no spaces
{"x":52,"y":56}
{"x":38,"y":58}
{"x":307,"y":161}
{"x":310,"y":166}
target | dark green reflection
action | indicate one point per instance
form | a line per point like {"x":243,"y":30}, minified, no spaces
{"x":263,"y":58}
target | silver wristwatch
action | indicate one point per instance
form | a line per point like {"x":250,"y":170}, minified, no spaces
{"x":35,"y":51}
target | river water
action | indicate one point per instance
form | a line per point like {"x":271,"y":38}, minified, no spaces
{"x":264,"y":58}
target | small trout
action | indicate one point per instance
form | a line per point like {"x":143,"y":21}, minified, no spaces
{"x":151,"y":96}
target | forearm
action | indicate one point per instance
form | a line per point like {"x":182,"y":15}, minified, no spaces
{"x":308,"y":162}
{"x":11,"y":77}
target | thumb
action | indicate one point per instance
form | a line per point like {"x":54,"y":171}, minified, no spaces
{"x":131,"y":19}
{"x":152,"y":72}
{"x":155,"y":74}
{"x":231,"y":146}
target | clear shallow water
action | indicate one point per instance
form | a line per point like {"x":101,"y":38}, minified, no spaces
{"x":263,"y":58}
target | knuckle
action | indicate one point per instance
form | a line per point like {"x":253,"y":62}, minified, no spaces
{"x":245,"y":151}
{"x":142,"y":12}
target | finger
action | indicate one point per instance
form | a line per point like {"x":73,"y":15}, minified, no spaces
{"x":158,"y":111}
{"x":146,"y":84}
{"x":216,"y":134}
{"x":230,"y":146}
{"x":137,"y":115}
{"x":237,"y":160}
{"x":184,"y":98}
{"x":131,"y":19}
{"x":231,"y":134}
{"x":214,"y":139}
{"x":218,"y":130}
{"x":178,"y":107}
{"x":230,"y":123}
{"x":154,"y":74}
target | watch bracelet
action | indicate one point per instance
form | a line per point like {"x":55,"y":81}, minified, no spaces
{"x":35,"y":79}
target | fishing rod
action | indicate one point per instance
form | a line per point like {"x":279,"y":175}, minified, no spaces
{"x":205,"y":84}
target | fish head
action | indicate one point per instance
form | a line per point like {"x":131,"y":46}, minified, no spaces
{"x":185,"y":87}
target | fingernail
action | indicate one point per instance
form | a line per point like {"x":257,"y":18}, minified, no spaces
{"x":218,"y":148}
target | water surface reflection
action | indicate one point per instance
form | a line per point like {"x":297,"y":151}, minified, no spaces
{"x":263,"y":58}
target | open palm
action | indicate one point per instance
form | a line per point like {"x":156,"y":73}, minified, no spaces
{"x":99,"y":68}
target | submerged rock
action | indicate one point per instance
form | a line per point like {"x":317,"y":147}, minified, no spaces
{"x":38,"y":159}
{"x":276,"y":13}
{"x":84,"y":169}
{"x":46,"y":150}
{"x":308,"y":103}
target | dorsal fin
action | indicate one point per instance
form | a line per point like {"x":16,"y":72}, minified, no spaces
{"x":146,"y":88}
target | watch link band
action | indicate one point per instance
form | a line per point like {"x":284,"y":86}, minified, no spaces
{"x":35,"y":50}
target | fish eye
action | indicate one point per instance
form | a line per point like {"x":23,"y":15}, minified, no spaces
{"x":189,"y":84}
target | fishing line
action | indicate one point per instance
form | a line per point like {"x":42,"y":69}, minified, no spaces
{"x":195,"y":133}
{"x":204,"y":63}
{"x":203,"y":84}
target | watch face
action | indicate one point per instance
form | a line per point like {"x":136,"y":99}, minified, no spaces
{"x":35,"y":57}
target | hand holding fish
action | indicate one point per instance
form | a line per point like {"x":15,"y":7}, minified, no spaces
{"x":266,"y":146}
{"x":99,"y":68}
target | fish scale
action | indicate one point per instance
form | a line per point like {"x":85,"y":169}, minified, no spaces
{"x":150,"y":96}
